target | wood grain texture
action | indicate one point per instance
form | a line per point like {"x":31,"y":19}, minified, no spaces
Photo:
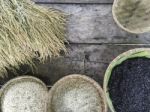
{"x":90,"y":60}
{"x":95,"y":24}
{"x":74,"y":1}
{"x":94,"y":35}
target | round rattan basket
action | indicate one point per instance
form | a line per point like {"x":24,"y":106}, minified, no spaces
{"x":134,"y":53}
{"x":132,"y":15}
{"x":24,"y":94}
{"x":77,"y":93}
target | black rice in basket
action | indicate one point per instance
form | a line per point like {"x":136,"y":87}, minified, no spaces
{"x":129,"y":86}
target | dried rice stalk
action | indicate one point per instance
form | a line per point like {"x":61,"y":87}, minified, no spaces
{"x":26,"y":28}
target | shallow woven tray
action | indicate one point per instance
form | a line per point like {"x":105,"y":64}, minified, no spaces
{"x":16,"y":95}
{"x":134,"y":53}
{"x":132,"y":15}
{"x":73,"y":93}
{"x":76,"y":93}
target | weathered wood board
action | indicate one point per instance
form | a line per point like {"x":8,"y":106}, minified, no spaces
{"x":86,"y":59}
{"x":91,"y":60}
{"x":74,"y":1}
{"x":94,"y":24}
{"x":95,"y":40}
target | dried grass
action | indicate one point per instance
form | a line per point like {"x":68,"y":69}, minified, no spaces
{"x":26,"y":28}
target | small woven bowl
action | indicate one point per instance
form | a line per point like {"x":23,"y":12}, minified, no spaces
{"x":132,"y":15}
{"x":24,"y":94}
{"x":134,"y":53}
{"x":77,"y":93}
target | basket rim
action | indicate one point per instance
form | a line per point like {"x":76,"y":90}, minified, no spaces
{"x":86,"y":78}
{"x":16,"y":80}
{"x":121,"y":26}
{"x":133,"y":53}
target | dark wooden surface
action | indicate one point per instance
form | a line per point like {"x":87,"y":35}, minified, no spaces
{"x":91,"y":60}
{"x":74,"y":1}
{"x":95,"y":40}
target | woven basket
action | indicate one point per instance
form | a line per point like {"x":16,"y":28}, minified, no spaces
{"x":76,"y":93}
{"x":134,"y":53}
{"x":24,"y":94}
{"x":132,"y":15}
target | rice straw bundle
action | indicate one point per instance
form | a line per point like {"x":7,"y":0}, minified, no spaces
{"x":26,"y":28}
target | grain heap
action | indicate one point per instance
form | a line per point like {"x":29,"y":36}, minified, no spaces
{"x":129,"y":86}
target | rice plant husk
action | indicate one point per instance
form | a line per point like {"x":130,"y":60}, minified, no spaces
{"x":29,"y":31}
{"x":76,"y":93}
{"x":132,"y":15}
{"x":134,"y":53}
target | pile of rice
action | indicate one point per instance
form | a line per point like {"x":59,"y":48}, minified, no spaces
{"x":24,"y":96}
{"x":75,"y":95}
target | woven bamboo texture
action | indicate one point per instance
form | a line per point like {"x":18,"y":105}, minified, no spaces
{"x":132,"y":15}
{"x":138,"y":52}
{"x":24,"y":94}
{"x":77,"y":93}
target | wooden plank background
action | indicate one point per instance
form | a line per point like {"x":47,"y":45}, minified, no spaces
{"x":73,"y":1}
{"x":95,"y":40}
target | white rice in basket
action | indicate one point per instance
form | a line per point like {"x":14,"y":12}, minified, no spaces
{"x":21,"y":95}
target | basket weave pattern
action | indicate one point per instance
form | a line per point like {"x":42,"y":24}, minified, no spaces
{"x":24,"y":94}
{"x":134,"y":53}
{"x":132,"y":15}
{"x":76,"y":93}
